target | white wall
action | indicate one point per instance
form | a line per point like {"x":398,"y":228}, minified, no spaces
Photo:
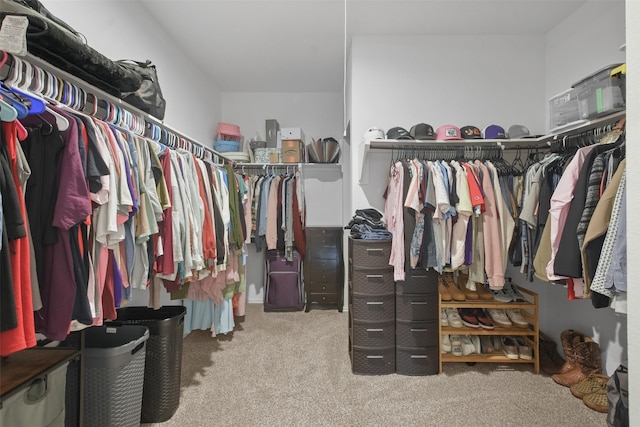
{"x":574,"y":50}
{"x":123,"y":30}
{"x":320,"y":115}
{"x":633,"y":203}
{"x":460,"y":80}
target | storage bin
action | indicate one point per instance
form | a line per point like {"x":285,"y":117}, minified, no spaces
{"x":599,"y":94}
{"x":373,"y":308}
{"x":40,"y":402}
{"x":417,"y":361}
{"x":411,"y":307}
{"x":228,"y":129}
{"x":418,"y":282}
{"x":373,"y":361}
{"x":267,"y":155}
{"x":163,"y":361}
{"x":114,"y":359}
{"x":416,"y":334}
{"x":369,"y":254}
{"x":226,"y":146}
{"x":372,"y":282}
{"x":374,"y":334}
{"x":563,"y":109}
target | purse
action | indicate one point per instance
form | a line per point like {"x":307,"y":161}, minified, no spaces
{"x":148,"y":97}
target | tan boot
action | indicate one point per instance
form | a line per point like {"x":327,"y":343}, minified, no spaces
{"x":456,"y":293}
{"x":484,"y":293}
{"x":443,"y":290}
{"x":568,"y":340}
{"x":586,"y":356}
{"x":463,"y":278}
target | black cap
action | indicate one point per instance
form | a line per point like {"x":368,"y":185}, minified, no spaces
{"x":471,"y":132}
{"x":398,"y":133}
{"x":422,"y":131}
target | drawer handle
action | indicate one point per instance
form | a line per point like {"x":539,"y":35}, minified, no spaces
{"x":419,"y":277}
{"x":374,"y":276}
{"x":375,"y":330}
{"x":375,"y":357}
{"x":418,"y":330}
{"x":375,"y":250}
{"x":419,"y":302}
{"x":419,"y":356}
{"x":375,"y":302}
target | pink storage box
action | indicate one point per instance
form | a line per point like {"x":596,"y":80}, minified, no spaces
{"x":228,"y":129}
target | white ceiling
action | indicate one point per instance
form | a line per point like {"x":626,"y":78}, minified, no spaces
{"x":298,"y":45}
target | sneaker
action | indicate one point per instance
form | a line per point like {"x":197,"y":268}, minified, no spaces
{"x":453,"y":318}
{"x":483,"y":320}
{"x":496,"y":340}
{"x":475,"y":339}
{"x":468,"y":318}
{"x":524,"y":351}
{"x":467,"y":345}
{"x":499,"y":317}
{"x":515,"y":316}
{"x":486,"y":344}
{"x":444,"y":321}
{"x":446,"y":344}
{"x":515,"y":293}
{"x":501,"y":295}
{"x":510,"y":348}
{"x":456,"y":345}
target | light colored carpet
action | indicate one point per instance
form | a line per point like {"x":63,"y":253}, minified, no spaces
{"x":293,"y":369}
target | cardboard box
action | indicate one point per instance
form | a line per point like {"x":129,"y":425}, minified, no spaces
{"x":272,"y":127}
{"x":292,"y":133}
{"x":267,"y":155}
{"x":292,"y":151}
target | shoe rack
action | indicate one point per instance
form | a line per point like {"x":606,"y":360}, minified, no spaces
{"x":529,"y":310}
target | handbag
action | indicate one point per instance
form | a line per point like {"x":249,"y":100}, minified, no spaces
{"x":148,"y":97}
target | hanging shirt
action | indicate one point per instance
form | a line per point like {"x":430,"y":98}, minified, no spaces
{"x":393,"y":214}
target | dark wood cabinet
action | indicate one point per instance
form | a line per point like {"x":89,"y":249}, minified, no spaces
{"x":324,"y":267}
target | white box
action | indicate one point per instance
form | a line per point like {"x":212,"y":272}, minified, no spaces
{"x":292,"y":133}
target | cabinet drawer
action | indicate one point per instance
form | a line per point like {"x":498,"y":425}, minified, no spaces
{"x":373,"y":334}
{"x":372,"y":282}
{"x":370,"y":254}
{"x":323,"y":251}
{"x":417,"y":334}
{"x":319,"y":298}
{"x":373,"y":361}
{"x":417,"y":361}
{"x":317,"y":287}
{"x":419,"y":282}
{"x":411,"y":307}
{"x":373,"y":308}
{"x":323,"y":266}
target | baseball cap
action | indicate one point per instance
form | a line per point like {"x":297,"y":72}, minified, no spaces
{"x":373,"y":133}
{"x":422,"y":131}
{"x":470,"y":132}
{"x":448,"y":132}
{"x":494,"y":132}
{"x":398,"y":133}
{"x":518,"y":131}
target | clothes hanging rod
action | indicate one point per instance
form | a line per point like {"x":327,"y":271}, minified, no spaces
{"x":101,"y":94}
{"x":585,"y":126}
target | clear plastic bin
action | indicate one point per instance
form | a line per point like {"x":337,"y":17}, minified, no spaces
{"x":563,"y":109}
{"x":599,"y":94}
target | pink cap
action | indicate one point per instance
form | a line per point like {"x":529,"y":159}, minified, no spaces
{"x":448,"y":132}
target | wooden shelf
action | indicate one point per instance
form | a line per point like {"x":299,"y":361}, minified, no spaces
{"x":529,"y":311}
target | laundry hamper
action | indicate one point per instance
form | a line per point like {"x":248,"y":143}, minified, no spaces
{"x":163,"y":367}
{"x":114,"y":359}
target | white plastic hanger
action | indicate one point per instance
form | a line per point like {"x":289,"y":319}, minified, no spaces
{"x":61,"y":122}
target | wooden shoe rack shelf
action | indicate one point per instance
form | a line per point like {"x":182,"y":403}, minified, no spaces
{"x":529,"y":311}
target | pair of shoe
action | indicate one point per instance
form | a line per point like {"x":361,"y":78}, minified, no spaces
{"x":593,"y":392}
{"x":516,"y":348}
{"x":461,"y":345}
{"x":508,"y":293}
{"x":471,"y":290}
{"x":452,"y":318}
{"x":475,"y":318}
{"x":506,"y":318}
{"x":447,"y":288}
{"x":490,"y":344}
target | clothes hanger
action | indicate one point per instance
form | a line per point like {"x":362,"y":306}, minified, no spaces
{"x":61,"y":122}
{"x":7,"y":112}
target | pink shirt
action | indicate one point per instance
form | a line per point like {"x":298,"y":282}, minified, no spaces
{"x":393,"y":211}
{"x":561,"y":202}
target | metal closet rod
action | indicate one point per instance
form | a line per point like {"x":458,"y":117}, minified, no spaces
{"x":100,"y":94}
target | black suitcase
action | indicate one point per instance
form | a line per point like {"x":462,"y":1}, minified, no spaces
{"x":284,"y":286}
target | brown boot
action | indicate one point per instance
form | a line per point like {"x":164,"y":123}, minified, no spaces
{"x":484,"y":293}
{"x":456,"y":293}
{"x":567,"y":338}
{"x":550,"y":361}
{"x":443,"y":290}
{"x":586,"y":355}
{"x":463,"y":279}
